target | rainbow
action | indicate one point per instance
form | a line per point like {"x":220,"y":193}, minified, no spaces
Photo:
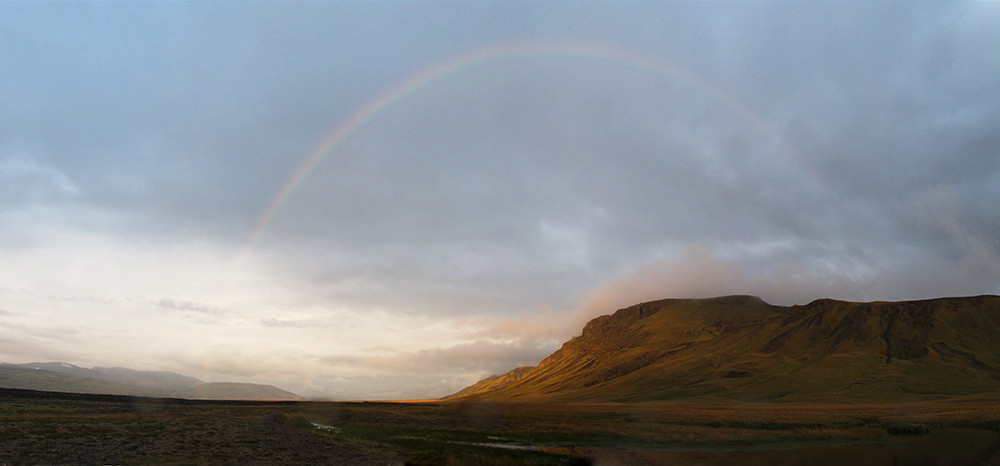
{"x":516,"y":51}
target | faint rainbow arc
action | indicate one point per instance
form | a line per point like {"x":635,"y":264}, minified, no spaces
{"x":449,"y":67}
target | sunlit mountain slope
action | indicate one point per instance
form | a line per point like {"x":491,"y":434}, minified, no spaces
{"x":740,"y":347}
{"x":496,"y":382}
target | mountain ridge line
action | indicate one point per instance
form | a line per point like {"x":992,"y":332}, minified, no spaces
{"x":741,"y":347}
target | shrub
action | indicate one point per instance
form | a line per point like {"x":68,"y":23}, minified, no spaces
{"x":426,"y":458}
{"x":907,"y":429}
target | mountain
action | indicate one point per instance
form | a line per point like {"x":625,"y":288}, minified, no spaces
{"x":237,"y":391}
{"x":160,"y":380}
{"x":12,"y":376}
{"x":495,"y":382}
{"x":743,"y":348}
{"x":154,"y":383}
{"x":63,"y":377}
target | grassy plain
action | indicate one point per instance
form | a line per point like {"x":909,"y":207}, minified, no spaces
{"x":42,"y":428}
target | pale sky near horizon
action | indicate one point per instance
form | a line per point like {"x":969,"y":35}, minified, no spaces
{"x":384,"y":200}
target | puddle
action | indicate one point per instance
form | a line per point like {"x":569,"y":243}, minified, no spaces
{"x":325,"y":427}
{"x":505,"y":446}
{"x":501,"y":445}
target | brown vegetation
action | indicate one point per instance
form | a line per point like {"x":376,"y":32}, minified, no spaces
{"x":46,"y":428}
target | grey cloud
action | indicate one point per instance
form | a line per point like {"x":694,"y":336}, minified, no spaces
{"x":187,"y":306}
{"x":525,"y":194}
{"x":87,"y":299}
{"x":341,"y":360}
{"x":297,"y":323}
{"x":812,"y":149}
{"x":26,"y":180}
{"x":229,"y":365}
{"x":386,"y":387}
{"x":427,"y":373}
{"x":698,"y":274}
{"x":476,"y":356}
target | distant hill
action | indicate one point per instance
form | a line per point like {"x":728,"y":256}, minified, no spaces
{"x":63,"y":377}
{"x":236,"y":391}
{"x":743,"y":348}
{"x":12,"y":376}
{"x":160,"y":383}
{"x":160,"y":380}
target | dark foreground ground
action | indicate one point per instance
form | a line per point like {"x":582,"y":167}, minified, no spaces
{"x":51,"y":428}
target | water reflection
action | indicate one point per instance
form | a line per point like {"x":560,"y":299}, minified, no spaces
{"x":951,"y":447}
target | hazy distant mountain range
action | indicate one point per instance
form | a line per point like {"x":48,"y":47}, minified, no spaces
{"x":742,"y":348}
{"x":63,"y":377}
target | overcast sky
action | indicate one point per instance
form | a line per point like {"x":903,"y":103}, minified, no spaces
{"x":393,"y":200}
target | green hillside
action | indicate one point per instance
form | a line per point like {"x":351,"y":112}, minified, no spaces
{"x":740,"y":347}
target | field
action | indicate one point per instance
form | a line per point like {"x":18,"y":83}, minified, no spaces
{"x":46,"y":428}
